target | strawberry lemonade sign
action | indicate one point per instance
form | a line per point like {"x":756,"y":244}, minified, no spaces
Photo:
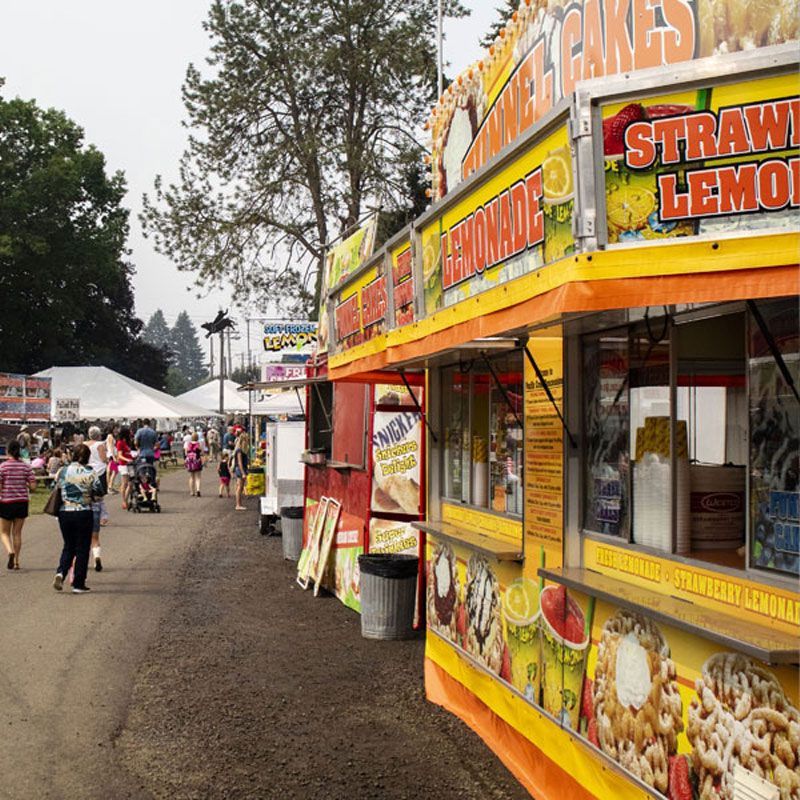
{"x":714,"y":160}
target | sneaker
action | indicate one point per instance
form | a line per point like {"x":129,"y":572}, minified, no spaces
{"x":80,"y":589}
{"x":58,"y":582}
{"x":98,"y":565}
{"x":198,"y":494}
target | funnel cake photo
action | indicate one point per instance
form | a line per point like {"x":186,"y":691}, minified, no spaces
{"x":443,"y":592}
{"x":636,"y":702}
{"x":742,"y":716}
{"x":484,"y":628}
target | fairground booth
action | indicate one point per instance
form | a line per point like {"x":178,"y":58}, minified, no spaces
{"x":364,"y":448}
{"x":604,"y":301}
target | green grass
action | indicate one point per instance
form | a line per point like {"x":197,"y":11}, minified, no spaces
{"x":38,"y":498}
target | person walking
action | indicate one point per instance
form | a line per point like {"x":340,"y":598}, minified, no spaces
{"x":125,"y":461}
{"x":241,"y":460}
{"x":212,"y":437}
{"x":16,"y":481}
{"x":111,"y":455}
{"x":194,"y":465}
{"x":98,"y":463}
{"x":79,"y":484}
{"x":224,"y":472}
{"x":145,"y":442}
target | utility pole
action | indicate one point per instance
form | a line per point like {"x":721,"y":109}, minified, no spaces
{"x":211,"y":359}
{"x":222,"y":371}
{"x":440,"y":49}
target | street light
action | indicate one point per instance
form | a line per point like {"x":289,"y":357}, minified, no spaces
{"x":220,"y":324}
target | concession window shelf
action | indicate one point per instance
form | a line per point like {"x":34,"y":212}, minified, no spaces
{"x":768,"y":645}
{"x":487,"y":545}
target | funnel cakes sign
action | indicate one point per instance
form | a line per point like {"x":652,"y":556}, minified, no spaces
{"x":548,"y":47}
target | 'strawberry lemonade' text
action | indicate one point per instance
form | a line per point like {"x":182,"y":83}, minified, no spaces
{"x":501,"y":228}
{"x":597,"y":38}
{"x":768,"y":184}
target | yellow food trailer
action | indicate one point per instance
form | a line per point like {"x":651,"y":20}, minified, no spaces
{"x":604,"y":301}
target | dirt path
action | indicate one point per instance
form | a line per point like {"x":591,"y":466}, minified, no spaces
{"x":198,"y":669}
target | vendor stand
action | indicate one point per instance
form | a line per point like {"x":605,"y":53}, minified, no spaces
{"x":607,"y":314}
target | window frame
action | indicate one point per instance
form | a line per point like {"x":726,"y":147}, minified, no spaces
{"x":577,"y":472}
{"x":466,"y":368}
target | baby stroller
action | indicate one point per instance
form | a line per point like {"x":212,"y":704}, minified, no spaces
{"x":143,"y":493}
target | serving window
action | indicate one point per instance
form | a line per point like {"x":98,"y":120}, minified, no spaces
{"x":691,"y":435}
{"x":483,"y":433}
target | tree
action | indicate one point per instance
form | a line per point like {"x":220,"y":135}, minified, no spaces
{"x":64,"y":280}
{"x":505,"y":12}
{"x":305,"y":124}
{"x":157,"y":332}
{"x":187,"y":355}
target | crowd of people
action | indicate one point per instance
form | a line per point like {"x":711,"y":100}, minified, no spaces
{"x":84,"y":467}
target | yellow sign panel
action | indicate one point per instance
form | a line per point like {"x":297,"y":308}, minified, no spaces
{"x":480,"y":522}
{"x":756,"y":602}
{"x":544,"y":452}
{"x":511,"y":224}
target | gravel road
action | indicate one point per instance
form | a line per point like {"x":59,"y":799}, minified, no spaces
{"x":197,"y":668}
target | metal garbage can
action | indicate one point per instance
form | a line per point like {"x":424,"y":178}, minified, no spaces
{"x":292,"y":531}
{"x":388,"y":595}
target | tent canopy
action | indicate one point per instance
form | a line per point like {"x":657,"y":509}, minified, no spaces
{"x":277,"y":404}
{"x":105,"y":394}
{"x":207,"y":396}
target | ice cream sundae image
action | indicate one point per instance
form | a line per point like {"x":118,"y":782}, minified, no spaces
{"x":484,"y":638}
{"x":636,"y":704}
{"x":443,"y":592}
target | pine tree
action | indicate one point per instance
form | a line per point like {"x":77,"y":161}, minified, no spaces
{"x":157,"y":332}
{"x":505,"y":12}
{"x":187,"y":355}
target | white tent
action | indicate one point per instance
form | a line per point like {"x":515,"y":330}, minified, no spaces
{"x":105,"y":394}
{"x":207,"y":396}
{"x":277,"y":404}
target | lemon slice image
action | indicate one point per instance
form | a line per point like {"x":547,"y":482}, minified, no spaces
{"x":557,"y":176}
{"x":629,"y":207}
{"x":521,"y":602}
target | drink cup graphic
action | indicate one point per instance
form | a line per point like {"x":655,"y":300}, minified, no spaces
{"x":521,"y":613}
{"x":564,"y":646}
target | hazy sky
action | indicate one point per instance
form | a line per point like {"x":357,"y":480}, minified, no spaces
{"x":116,"y":68}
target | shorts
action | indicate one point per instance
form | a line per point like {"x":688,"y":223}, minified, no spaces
{"x":99,"y":514}
{"x":113,"y":467}
{"x":225,"y":481}
{"x":17,"y":510}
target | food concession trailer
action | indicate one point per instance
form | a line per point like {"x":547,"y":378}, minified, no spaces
{"x":604,"y":301}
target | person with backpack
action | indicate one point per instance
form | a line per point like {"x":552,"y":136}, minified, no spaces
{"x":194,"y":464}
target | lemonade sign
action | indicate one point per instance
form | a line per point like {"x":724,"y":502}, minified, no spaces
{"x":513,"y":223}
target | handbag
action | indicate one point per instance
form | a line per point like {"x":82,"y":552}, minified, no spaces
{"x":53,"y":504}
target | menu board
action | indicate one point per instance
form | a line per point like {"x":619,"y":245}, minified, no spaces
{"x":397,"y":462}
{"x":544,"y":458}
{"x":23,"y":397}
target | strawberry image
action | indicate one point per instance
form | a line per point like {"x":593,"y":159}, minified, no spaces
{"x":591,"y":732}
{"x":505,"y":669}
{"x":587,"y":700}
{"x":680,"y":784}
{"x":461,"y":624}
{"x":614,"y":128}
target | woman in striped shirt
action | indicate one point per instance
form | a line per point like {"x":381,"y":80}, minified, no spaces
{"x":16,"y":481}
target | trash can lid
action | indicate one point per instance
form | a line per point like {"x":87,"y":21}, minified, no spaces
{"x":388,"y":565}
{"x":292,"y":512}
